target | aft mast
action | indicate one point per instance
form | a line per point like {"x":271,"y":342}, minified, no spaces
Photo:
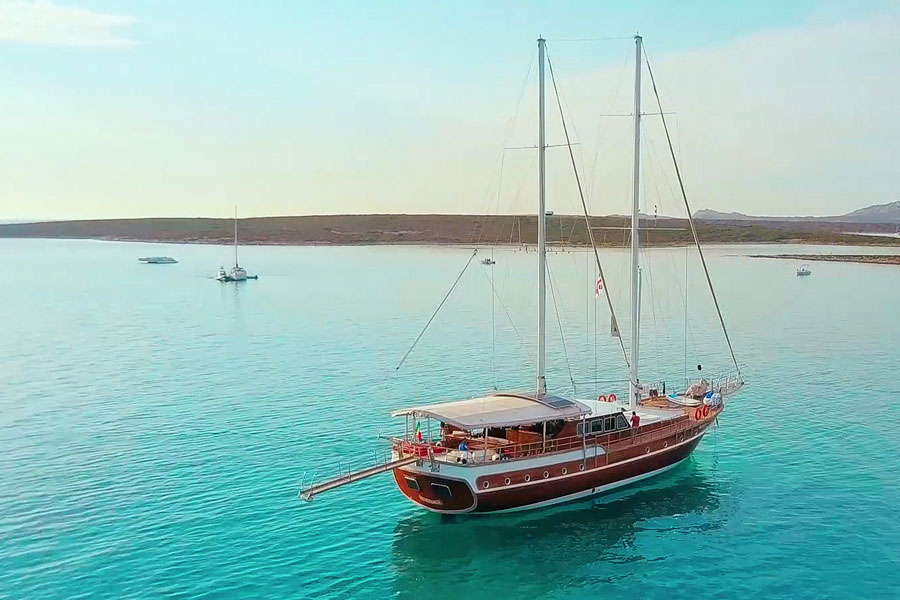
{"x":542,"y":231}
{"x":634,"y":386}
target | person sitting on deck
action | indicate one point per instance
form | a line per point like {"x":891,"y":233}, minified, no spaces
{"x":635,"y":420}
{"x":464,"y":450}
{"x":697,"y":390}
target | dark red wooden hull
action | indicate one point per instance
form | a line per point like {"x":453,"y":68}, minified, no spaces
{"x":591,"y":481}
{"x":461,"y":499}
{"x":520,"y":488}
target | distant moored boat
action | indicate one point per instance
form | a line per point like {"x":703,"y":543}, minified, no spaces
{"x":158,"y":260}
{"x":803,"y":271}
{"x":237,"y":273}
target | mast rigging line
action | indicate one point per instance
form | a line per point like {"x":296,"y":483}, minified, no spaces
{"x":562,"y":337}
{"x":643,"y":114}
{"x":437,"y":310}
{"x":501,"y":158}
{"x":690,"y":217}
{"x":598,"y":39}
{"x":587,"y":221}
{"x":522,"y":343}
{"x":600,"y":128}
{"x":545,"y":146}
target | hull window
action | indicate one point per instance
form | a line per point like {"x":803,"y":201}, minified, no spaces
{"x":441,"y":490}
{"x":411,"y":483}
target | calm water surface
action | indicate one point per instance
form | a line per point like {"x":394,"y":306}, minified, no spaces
{"x":155,"y":426}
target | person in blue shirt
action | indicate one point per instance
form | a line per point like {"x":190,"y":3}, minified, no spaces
{"x":464,"y":449}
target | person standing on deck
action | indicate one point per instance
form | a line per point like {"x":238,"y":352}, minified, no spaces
{"x":635,"y":420}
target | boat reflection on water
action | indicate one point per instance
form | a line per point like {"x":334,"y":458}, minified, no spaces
{"x":539,"y":553}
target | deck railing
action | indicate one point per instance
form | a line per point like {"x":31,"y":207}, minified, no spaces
{"x":726,"y":383}
{"x":434,"y":452}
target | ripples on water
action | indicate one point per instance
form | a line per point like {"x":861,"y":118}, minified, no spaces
{"x":154,"y":427}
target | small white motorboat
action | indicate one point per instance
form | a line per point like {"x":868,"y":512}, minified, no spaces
{"x":488,"y":261}
{"x":158,"y":260}
{"x":803,"y":271}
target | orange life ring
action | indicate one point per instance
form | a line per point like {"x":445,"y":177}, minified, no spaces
{"x":612,"y":398}
{"x":601,"y":398}
{"x":706,"y":410}
{"x":698,"y":414}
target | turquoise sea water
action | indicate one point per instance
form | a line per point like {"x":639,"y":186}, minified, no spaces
{"x":155,"y":426}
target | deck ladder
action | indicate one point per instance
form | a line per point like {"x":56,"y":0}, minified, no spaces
{"x":313,"y":489}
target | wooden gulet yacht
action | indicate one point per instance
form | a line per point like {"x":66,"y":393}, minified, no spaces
{"x":510,"y":451}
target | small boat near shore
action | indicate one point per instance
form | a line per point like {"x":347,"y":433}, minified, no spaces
{"x":803,"y":271}
{"x":158,"y":260}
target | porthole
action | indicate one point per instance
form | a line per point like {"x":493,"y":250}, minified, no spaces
{"x":647,"y":450}
{"x":581,"y":467}
{"x":565,"y":471}
{"x":486,"y":484}
{"x":528,"y":478}
{"x":506,"y":481}
{"x":546,"y":474}
{"x":666,"y":445}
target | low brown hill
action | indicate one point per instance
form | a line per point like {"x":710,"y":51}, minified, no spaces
{"x":431,"y":229}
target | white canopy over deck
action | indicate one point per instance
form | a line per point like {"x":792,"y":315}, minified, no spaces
{"x":499,"y":410}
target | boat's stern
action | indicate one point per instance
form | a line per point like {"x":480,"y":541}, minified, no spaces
{"x":434,"y":491}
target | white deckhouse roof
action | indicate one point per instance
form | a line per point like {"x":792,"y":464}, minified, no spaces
{"x":500,"y":409}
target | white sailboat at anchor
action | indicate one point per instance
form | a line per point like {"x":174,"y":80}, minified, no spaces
{"x":237,"y":272}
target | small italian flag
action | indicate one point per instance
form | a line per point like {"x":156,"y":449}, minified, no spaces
{"x":418,"y":431}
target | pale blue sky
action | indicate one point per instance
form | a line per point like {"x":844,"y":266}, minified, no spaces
{"x":174,"y":108}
